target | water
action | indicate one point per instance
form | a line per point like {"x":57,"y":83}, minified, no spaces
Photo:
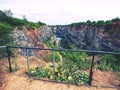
{"x":58,"y":38}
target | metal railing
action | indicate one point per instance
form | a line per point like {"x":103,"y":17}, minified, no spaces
{"x":69,"y":50}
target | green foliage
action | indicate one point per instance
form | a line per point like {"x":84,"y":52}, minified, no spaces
{"x":69,"y":70}
{"x":109,"y":58}
{"x":61,"y":74}
{"x":6,"y":17}
{"x":66,"y":45}
{"x":40,"y":23}
{"x":75,"y":59}
{"x":77,"y":25}
{"x":115,"y":19}
{"x":109,"y":62}
{"x":5,"y":38}
{"x":51,"y":43}
{"x":7,"y":24}
{"x":15,"y":66}
{"x":103,"y":66}
{"x":100,"y":23}
{"x":8,"y":13}
{"x":4,"y":34}
{"x":89,"y":23}
{"x":49,"y":57}
{"x":118,"y":75}
{"x":3,"y":16}
{"x":57,"y":57}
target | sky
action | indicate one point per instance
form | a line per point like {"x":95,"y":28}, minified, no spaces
{"x":60,"y":12}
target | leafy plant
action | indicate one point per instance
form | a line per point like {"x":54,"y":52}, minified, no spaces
{"x":79,"y":60}
{"x":15,"y":66}
{"x":5,"y":38}
{"x":49,"y":57}
{"x":103,"y":66}
{"x":108,"y":62}
{"x":61,"y":74}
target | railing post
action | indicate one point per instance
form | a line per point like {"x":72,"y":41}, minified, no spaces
{"x":53,"y":59}
{"x":28,"y":62}
{"x":8,"y":55}
{"x":91,"y":70}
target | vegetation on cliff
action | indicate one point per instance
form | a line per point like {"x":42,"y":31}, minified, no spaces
{"x":8,"y":23}
{"x":99,"y":23}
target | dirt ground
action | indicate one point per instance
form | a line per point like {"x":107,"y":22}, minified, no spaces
{"x":19,"y":81}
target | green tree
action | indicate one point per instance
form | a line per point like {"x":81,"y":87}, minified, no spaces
{"x":100,"y":23}
{"x":116,"y":19}
{"x":3,"y":16}
{"x":8,"y":13}
{"x":24,"y":18}
{"x":5,"y":30}
{"x":88,"y":22}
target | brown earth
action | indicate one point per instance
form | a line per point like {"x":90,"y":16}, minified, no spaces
{"x":19,"y":81}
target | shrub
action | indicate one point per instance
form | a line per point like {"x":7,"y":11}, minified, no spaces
{"x":108,"y":62}
{"x":5,"y":38}
{"x":61,"y":74}
{"x":77,"y":59}
{"x":49,"y":57}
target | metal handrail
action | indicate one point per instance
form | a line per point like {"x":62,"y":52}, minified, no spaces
{"x":3,"y":46}
{"x":70,"y":50}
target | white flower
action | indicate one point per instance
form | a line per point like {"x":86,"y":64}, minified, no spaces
{"x":32,"y":71}
{"x":69,"y":78}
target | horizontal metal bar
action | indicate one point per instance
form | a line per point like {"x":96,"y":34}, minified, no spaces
{"x":69,"y":50}
{"x":112,"y":87}
{"x":3,"y":46}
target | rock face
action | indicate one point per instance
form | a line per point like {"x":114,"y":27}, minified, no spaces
{"x":83,"y":36}
{"x":32,"y":38}
{"x":89,"y":37}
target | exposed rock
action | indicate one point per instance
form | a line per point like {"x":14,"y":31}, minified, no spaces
{"x":31,"y":38}
{"x":88,"y":37}
{"x":83,"y":36}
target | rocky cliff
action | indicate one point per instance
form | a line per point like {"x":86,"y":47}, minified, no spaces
{"x":105,"y":37}
{"x":31,"y":37}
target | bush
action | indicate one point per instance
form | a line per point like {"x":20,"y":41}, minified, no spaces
{"x":49,"y":57}
{"x":5,"y":38}
{"x":61,"y":74}
{"x":108,"y":62}
{"x":77,"y":59}
{"x":103,"y":66}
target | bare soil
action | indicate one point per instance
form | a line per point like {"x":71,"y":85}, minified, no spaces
{"x":18,"y":80}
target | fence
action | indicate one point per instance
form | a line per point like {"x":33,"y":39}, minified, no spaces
{"x":92,"y":54}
